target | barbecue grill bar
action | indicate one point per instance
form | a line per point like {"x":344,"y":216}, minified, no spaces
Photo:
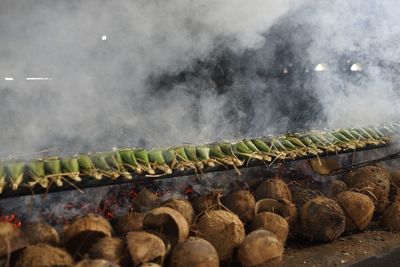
{"x":88,"y":182}
{"x":121,"y":166}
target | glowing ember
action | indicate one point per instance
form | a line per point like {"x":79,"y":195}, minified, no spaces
{"x":11,"y":219}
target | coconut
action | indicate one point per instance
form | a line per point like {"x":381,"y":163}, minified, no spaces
{"x":223,"y":230}
{"x":241,"y":202}
{"x":374,"y":182}
{"x":96,"y":263}
{"x":322,"y":219}
{"x":324,"y":166}
{"x":11,"y":239}
{"x":145,"y":247}
{"x":84,"y":231}
{"x":391,"y":217}
{"x":275,"y":189}
{"x":335,"y":187}
{"x":271,"y":222}
{"x":182,"y":206}
{"x":260,"y":248}
{"x":169,"y":222}
{"x":394,"y":184}
{"x":194,"y":252}
{"x":43,"y":255}
{"x":109,"y":248}
{"x":37,"y":232}
{"x":131,"y":221}
{"x":150,"y":264}
{"x":302,"y":194}
{"x":145,"y":201}
{"x":395,"y":178}
{"x":358,"y":209}
{"x":285,"y":209}
{"x":204,"y":203}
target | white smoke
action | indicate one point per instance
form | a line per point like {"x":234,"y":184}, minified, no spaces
{"x":153,"y":81}
{"x":364,"y":32}
{"x":99,"y":94}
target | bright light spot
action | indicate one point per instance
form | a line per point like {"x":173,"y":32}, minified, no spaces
{"x":285,"y":70}
{"x":104,"y":37}
{"x":9,"y":79}
{"x":356,"y":67}
{"x":321,"y":67}
{"x":37,"y":79}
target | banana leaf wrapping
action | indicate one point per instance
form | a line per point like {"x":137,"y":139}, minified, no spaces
{"x":70,"y":168}
{"x":100,"y":162}
{"x":87,"y":168}
{"x":129,"y":160}
{"x":128,"y":163}
{"x":114,"y":160}
{"x":37,"y":173}
{"x":53,"y":170}
{"x":15,"y":173}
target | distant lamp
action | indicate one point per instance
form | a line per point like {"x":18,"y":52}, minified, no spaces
{"x":285,"y":70}
{"x":38,"y":79}
{"x":356,"y":67}
{"x":104,"y":37}
{"x":321,"y":67}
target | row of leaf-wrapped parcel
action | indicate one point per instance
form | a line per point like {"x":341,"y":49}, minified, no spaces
{"x":122,"y":163}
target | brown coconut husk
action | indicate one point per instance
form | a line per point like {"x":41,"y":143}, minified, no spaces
{"x":223,"y":229}
{"x":109,"y":248}
{"x":183,"y":207}
{"x":322,"y":219}
{"x":44,"y":255}
{"x":335,"y":187}
{"x":302,"y":194}
{"x":168,"y":222}
{"x":84,"y":231}
{"x":358,"y":209}
{"x":12,"y":239}
{"x":395,"y":178}
{"x":374,"y":174}
{"x":37,"y":232}
{"x":204,"y":203}
{"x":260,"y":248}
{"x":374,"y":182}
{"x":241,"y":202}
{"x":164,"y":238}
{"x":194,"y":252}
{"x":391,"y":217}
{"x":286,"y":210}
{"x":150,"y":264}
{"x":130,"y":221}
{"x":145,"y":201}
{"x":324,"y":166}
{"x":394,"y":184}
{"x":271,"y":222}
{"x":96,"y":263}
{"x":273,"y":188}
{"x":145,"y":247}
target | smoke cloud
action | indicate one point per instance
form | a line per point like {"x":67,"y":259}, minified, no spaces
{"x":159,"y":73}
{"x":100,"y":94}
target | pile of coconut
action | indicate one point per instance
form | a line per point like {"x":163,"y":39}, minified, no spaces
{"x":241,"y":228}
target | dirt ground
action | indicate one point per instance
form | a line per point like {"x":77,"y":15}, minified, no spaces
{"x":346,"y":251}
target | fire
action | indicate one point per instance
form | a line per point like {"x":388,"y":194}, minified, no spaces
{"x":12,"y":218}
